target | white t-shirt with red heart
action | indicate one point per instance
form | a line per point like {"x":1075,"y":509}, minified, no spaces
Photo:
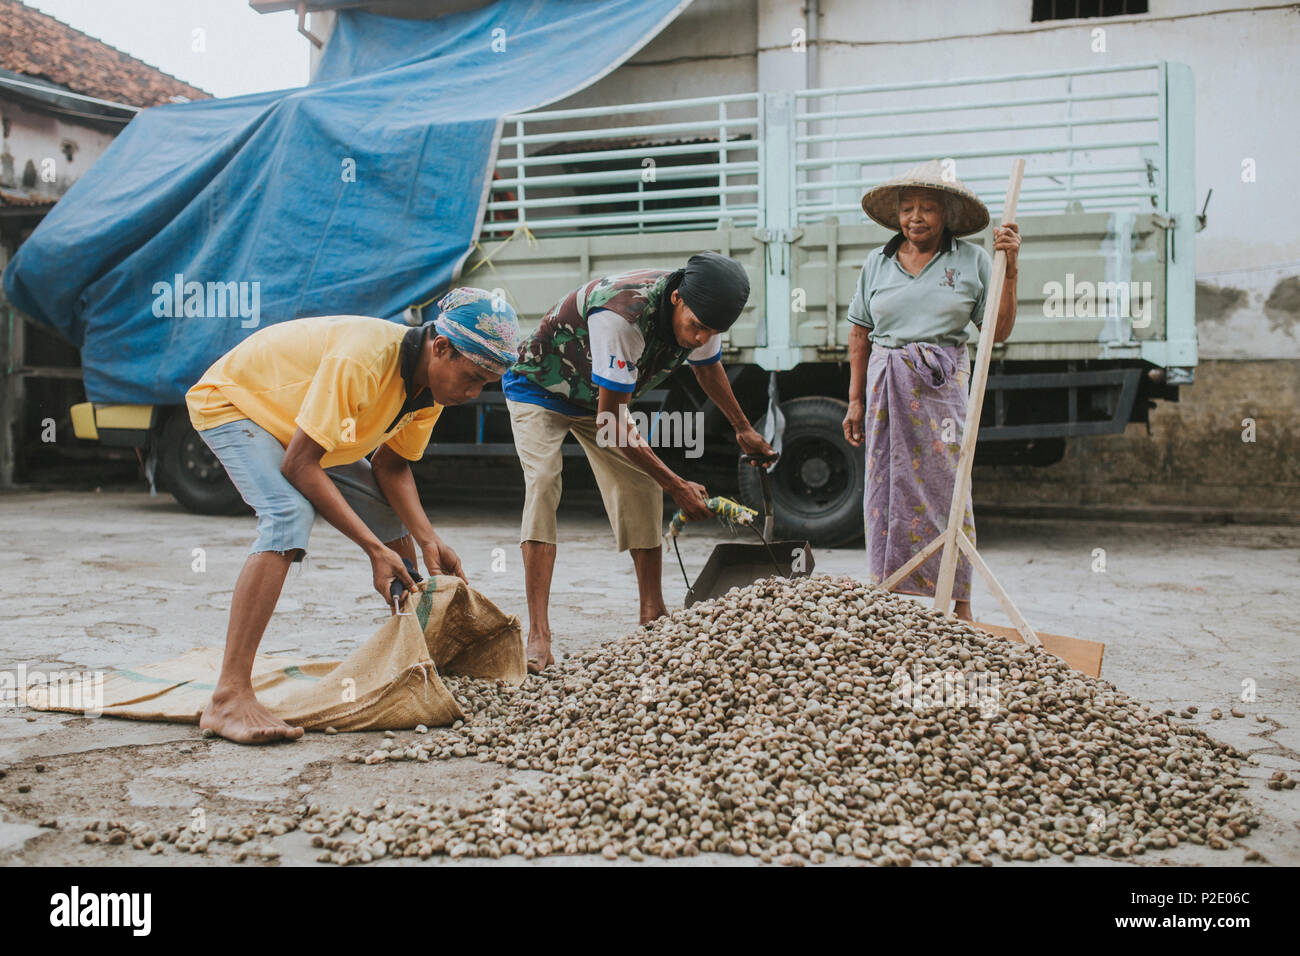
{"x":616,"y":347}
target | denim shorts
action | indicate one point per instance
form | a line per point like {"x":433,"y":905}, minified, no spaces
{"x":252,"y":457}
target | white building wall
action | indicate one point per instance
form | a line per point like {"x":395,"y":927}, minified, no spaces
{"x":709,"y":50}
{"x":34,"y":137}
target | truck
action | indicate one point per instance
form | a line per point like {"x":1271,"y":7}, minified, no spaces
{"x":1106,"y":310}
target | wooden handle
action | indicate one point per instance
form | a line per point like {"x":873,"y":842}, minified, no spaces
{"x":979,"y":379}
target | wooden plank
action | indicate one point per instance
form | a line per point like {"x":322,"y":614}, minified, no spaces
{"x":1083,"y":656}
{"x":50,"y":371}
{"x":918,"y":559}
{"x":11,"y":384}
{"x":1008,"y":606}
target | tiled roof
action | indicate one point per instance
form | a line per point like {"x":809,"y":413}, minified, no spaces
{"x":9,"y":197}
{"x":36,"y":44}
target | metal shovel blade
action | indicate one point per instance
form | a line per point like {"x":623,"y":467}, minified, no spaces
{"x":740,"y":565}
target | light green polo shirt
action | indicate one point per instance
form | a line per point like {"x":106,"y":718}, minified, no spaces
{"x":934,"y":306}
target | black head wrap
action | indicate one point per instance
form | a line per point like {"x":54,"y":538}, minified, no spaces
{"x":715,"y":288}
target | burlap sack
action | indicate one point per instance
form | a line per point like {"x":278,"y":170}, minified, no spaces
{"x":391,"y":682}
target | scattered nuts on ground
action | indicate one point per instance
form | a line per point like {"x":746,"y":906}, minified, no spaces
{"x":1280,"y":781}
{"x":849,"y":722}
{"x":794,"y":721}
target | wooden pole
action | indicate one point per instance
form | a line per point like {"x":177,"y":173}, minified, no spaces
{"x":1009,"y":606}
{"x":979,"y":379}
{"x":952,"y":539}
{"x":916,"y":561}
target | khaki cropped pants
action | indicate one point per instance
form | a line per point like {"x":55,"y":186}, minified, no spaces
{"x":634,"y":501}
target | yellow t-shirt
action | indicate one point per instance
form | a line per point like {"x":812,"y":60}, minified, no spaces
{"x":337,"y":377}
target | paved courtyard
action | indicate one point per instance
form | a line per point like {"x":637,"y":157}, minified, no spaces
{"x":1190,"y":615}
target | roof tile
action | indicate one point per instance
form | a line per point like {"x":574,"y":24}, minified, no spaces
{"x":23,"y":198}
{"x":36,"y":44}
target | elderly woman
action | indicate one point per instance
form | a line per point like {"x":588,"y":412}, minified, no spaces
{"x":910,"y":368}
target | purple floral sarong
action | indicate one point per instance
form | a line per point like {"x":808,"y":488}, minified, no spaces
{"x":916,"y":414}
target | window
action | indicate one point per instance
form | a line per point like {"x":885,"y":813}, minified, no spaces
{"x":1073,"y":9}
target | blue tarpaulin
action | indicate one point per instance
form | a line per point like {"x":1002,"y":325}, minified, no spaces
{"x":360,"y":193}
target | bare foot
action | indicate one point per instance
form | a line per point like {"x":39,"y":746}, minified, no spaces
{"x":652,"y":615}
{"x":241,"y":718}
{"x":539,"y":653}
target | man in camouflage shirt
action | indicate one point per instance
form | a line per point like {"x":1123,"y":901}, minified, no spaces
{"x":602,"y":346}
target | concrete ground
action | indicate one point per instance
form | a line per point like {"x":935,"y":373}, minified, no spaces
{"x":1190,"y":614}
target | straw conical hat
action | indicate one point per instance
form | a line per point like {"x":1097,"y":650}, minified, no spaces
{"x":881,"y":202}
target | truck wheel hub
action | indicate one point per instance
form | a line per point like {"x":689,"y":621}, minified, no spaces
{"x":815,"y":472}
{"x":198,"y":459}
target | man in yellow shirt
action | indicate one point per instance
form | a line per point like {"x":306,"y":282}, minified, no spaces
{"x":292,"y":412}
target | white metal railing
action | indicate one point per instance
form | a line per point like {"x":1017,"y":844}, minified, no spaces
{"x":1093,"y":139}
{"x":671,"y":164}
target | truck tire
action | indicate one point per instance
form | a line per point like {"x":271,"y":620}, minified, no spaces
{"x":192,"y":473}
{"x":817,"y":484}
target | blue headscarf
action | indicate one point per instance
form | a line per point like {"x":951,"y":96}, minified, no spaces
{"x":481,"y":326}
